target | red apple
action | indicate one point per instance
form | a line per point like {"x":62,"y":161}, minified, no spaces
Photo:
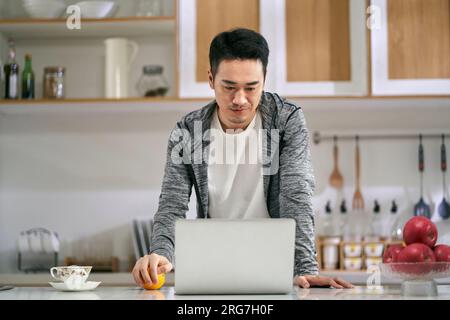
{"x":416,"y":259}
{"x":442,"y":252}
{"x":420,"y":230}
{"x":416,"y":252}
{"x":391,"y":253}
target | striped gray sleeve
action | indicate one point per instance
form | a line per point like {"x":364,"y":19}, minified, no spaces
{"x":296,"y":190}
{"x":173,"y":201}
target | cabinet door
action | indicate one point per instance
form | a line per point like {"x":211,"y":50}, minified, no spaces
{"x":411,"y":47}
{"x":199,"y":22}
{"x":318,"y":47}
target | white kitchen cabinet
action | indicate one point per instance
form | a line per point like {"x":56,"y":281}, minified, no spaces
{"x":410,"y":47}
{"x":315,"y":47}
{"x":199,"y":22}
{"x":273,"y":21}
{"x":318,"y":47}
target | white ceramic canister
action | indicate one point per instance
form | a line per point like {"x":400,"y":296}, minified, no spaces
{"x":119,"y":54}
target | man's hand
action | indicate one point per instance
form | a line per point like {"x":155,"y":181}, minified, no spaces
{"x":321,"y":281}
{"x":148,"y":267}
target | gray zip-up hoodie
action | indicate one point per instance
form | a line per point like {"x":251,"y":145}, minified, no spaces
{"x":288,"y":176}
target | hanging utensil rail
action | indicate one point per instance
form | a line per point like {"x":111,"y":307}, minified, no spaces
{"x":318,"y":138}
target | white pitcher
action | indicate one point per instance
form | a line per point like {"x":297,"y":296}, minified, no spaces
{"x":119,"y":54}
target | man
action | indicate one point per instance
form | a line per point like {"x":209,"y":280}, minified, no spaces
{"x":281,"y":185}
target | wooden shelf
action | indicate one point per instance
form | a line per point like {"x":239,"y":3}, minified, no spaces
{"x":164,"y":104}
{"x":118,"y":27}
{"x":313,"y":107}
{"x":85,"y":100}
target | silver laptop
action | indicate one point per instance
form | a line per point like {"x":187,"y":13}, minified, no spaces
{"x":219,"y":256}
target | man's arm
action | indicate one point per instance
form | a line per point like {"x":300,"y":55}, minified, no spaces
{"x":296,"y":190}
{"x":174,"y":198}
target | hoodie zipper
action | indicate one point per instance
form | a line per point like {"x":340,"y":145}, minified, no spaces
{"x":197,"y":191}
{"x":196,"y":188}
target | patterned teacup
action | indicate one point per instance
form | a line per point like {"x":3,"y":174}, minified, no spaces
{"x":73,"y":276}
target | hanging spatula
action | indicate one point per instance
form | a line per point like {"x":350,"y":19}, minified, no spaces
{"x":358,"y":200}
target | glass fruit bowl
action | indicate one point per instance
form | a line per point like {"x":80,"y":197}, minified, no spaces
{"x":417,"y":277}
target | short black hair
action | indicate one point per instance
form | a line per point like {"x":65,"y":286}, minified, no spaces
{"x":240,"y":44}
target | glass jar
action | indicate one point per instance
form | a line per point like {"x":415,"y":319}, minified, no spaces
{"x":152,"y":82}
{"x":149,"y":8}
{"x":54,"y":87}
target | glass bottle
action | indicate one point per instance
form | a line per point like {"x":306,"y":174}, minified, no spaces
{"x":399,"y":222}
{"x":28,"y":79}
{"x":152,"y":82}
{"x":355,"y":227}
{"x":11,"y":70}
{"x":328,"y":229}
{"x":375,"y":224}
{"x":343,"y":207}
{"x":344,"y":229}
{"x":394,"y":207}
{"x":391,"y":220}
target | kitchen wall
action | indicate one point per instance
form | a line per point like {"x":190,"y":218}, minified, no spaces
{"x":389,"y":167}
{"x":86,"y":174}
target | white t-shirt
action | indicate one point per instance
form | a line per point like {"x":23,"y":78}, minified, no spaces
{"x":235,"y":179}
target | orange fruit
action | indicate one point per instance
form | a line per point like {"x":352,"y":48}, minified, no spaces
{"x":161,"y":280}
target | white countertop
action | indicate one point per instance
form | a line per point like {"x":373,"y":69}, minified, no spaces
{"x":126,"y":279}
{"x":42,"y":278}
{"x":168,"y":293}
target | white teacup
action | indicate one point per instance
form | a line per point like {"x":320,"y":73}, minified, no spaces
{"x":73,"y":276}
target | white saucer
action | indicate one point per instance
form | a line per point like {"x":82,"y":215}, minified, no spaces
{"x":87,"y":286}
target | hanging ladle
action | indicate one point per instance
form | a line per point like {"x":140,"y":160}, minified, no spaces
{"x":421,"y":208}
{"x":336,"y":180}
{"x":444,"y":206}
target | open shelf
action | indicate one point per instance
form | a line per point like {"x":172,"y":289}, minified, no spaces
{"x":370,"y":109}
{"x":116,"y":27}
{"x":84,"y":100}
{"x":163,"y":104}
